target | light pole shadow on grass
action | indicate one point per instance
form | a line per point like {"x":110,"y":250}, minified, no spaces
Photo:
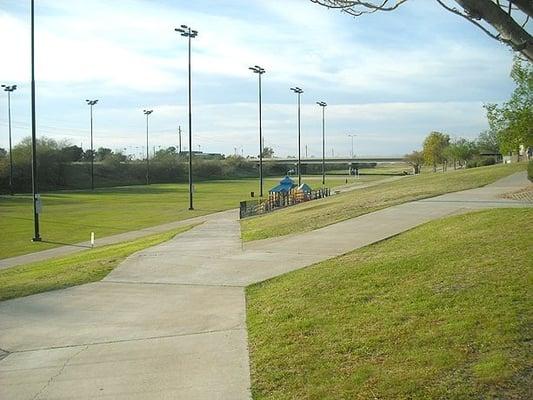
{"x":67,"y":244}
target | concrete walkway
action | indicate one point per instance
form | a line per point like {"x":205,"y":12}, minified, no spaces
{"x":169,"y":322}
{"x":132,"y":235}
{"x":112,"y":239}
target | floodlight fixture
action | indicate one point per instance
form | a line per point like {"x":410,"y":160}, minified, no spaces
{"x":189,"y":33}
{"x":147,"y":113}
{"x":9,"y":89}
{"x":260,"y":71}
{"x":91,"y":103}
{"x":299,"y":91}
{"x":323,"y":105}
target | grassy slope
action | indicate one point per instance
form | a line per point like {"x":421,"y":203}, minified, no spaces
{"x":316,"y":214}
{"x":439,"y":312}
{"x":69,"y":217}
{"x":87,"y":266}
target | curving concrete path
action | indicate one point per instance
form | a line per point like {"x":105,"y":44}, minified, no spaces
{"x":170,"y":321}
{"x":132,"y":235}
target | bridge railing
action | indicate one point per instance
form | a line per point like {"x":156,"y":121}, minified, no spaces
{"x":276,"y":201}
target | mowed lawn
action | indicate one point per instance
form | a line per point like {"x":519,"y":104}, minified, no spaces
{"x":319,"y":213}
{"x":62,"y":272}
{"x":70,"y":216}
{"x":440,"y":312}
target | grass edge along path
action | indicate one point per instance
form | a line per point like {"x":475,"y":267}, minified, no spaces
{"x":77,"y":269}
{"x":442,"y":311}
{"x":319,"y":213}
{"x":69,"y":217}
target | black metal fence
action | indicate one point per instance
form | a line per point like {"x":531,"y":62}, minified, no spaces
{"x":279,"y":200}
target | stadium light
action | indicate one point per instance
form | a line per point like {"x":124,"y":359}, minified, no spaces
{"x":147,"y":113}
{"x":299,"y":91}
{"x":9,"y":89}
{"x":91,"y":103}
{"x":189,"y":33}
{"x":323,"y":105}
{"x":260,"y":71}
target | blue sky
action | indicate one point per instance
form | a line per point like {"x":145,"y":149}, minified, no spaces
{"x":389,"y":78}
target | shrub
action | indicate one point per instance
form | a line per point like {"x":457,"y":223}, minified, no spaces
{"x":472,"y":164}
{"x":487,"y":161}
{"x":530,"y":170}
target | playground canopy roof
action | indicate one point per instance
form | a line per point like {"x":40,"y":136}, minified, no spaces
{"x":285,"y":185}
{"x":304,"y":187}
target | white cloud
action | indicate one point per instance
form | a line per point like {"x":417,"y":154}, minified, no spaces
{"x":126,"y":52}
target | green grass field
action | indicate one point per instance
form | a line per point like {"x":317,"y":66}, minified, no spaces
{"x":70,"y":216}
{"x":316,"y":214}
{"x":87,"y":266}
{"x":440,"y":312}
{"x":385,"y":168}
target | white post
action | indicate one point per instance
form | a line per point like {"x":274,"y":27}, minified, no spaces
{"x":92,"y":239}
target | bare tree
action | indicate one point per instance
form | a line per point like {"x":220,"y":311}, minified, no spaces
{"x":503,"y":20}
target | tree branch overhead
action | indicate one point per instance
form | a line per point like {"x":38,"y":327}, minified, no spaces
{"x":502,"y":20}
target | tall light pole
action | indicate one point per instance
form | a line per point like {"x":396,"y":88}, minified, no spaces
{"x":147,"y":113}
{"x":91,"y":103}
{"x":189,"y":33}
{"x":10,"y":89}
{"x":352,"y":153}
{"x":34,"y":171}
{"x":260,"y":71}
{"x":299,"y":91}
{"x":323,"y":105}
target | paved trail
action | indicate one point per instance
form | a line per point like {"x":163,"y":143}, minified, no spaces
{"x":169,"y":322}
{"x":132,"y":235}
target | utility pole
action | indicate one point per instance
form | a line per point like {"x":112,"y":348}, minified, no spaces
{"x":179,"y":134}
{"x":352,"y":136}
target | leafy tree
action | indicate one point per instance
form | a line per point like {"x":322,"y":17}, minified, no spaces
{"x":415,"y":159}
{"x":268,"y":152}
{"x":461,"y":150}
{"x":88,"y":155}
{"x":72,"y":153}
{"x":102,"y":153}
{"x":114,"y":158}
{"x":512,"y":122}
{"x":3,"y":153}
{"x":503,"y":20}
{"x":434,"y":146}
{"x":488,"y":142}
{"x":166,"y":155}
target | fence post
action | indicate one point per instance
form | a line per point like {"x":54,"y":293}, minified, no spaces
{"x":242,"y":209}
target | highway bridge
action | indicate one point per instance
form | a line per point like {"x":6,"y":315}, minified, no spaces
{"x":332,"y":160}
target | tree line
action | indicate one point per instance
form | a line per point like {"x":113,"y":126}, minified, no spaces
{"x":510,"y":131}
{"x":66,"y":166}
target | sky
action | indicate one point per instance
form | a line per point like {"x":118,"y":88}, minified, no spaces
{"x":389,"y":78}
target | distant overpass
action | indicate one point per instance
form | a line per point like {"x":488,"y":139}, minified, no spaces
{"x":331,"y":160}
